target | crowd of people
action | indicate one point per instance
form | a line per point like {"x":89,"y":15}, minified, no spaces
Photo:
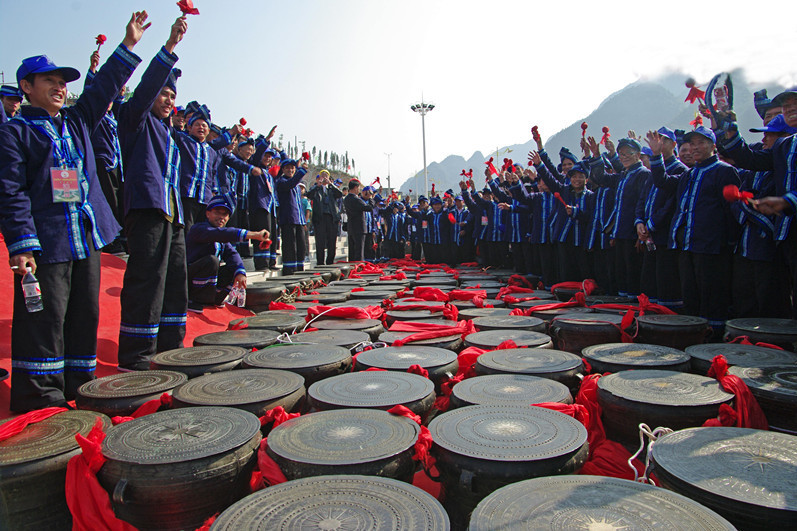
{"x":184,"y":198}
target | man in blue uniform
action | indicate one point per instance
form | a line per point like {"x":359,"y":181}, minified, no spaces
{"x":55,"y":220}
{"x":154,"y":291}
{"x":292,"y":218}
{"x":207,"y":244}
{"x":11,"y":100}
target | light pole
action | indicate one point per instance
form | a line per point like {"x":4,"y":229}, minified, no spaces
{"x":388,"y":170}
{"x":423,"y":108}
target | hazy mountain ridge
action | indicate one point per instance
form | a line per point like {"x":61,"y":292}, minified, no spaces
{"x":640,"y":106}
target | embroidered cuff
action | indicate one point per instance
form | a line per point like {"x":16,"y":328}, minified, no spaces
{"x":127,"y":57}
{"x":27,"y":243}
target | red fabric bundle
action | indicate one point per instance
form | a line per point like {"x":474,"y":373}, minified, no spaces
{"x":748,"y":412}
{"x":398,"y":276}
{"x":345,"y":312}
{"x":694,"y":92}
{"x":147,"y":408}
{"x":280,"y":306}
{"x":267,"y":472}
{"x":187,"y":7}
{"x":732,"y":194}
{"x":87,"y":500}
{"x":429,"y":294}
{"x":420,"y":371}
{"x":424,"y":442}
{"x":606,"y":458}
{"x":240,"y":325}
{"x":605,"y":136}
{"x":17,"y":425}
{"x":519,"y":280}
{"x":509,"y":299}
{"x":588,"y":286}
{"x":429,"y":331}
{"x":469,"y":264}
{"x":491,"y":167}
{"x":472,"y":295}
{"x":506,"y":290}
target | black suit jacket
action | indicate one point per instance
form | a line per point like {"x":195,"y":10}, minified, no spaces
{"x":356,"y":207}
{"x":329,"y":195}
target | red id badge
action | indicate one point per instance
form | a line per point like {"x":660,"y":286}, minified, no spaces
{"x":425,"y":224}
{"x":66,"y":188}
{"x":485,"y":221}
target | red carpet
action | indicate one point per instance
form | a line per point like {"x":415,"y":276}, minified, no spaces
{"x":113,"y":270}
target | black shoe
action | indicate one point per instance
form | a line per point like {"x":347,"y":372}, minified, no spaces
{"x":195,"y":307}
{"x":115,"y":248}
{"x":140,"y":366}
{"x":274,"y":268}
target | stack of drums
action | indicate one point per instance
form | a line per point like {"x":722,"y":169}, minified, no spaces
{"x":33,"y":471}
{"x":780,"y":332}
{"x":671,"y":399}
{"x":747,"y":476}
{"x":482,"y":448}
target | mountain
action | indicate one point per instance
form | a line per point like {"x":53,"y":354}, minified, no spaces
{"x":641,"y":106}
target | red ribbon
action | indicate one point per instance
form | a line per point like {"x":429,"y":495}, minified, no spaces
{"x":491,"y":167}
{"x":745,"y":340}
{"x":18,"y":424}
{"x":588,"y":286}
{"x":344,"y":312}
{"x":577,"y":300}
{"x":280,"y":306}
{"x":605,"y":136}
{"x":267,"y":472}
{"x":398,"y":276}
{"x":424,"y":442}
{"x":748,"y":413}
{"x":731,"y":193}
{"x":519,"y":280}
{"x":429,"y":331}
{"x":87,"y":500}
{"x":420,"y":371}
{"x":147,"y":408}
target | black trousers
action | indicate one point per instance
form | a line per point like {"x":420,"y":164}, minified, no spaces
{"x":532,"y":261}
{"x":497,"y":254}
{"x":394,"y":249}
{"x":787,"y":251}
{"x":706,"y":287}
{"x":627,"y":266}
{"x":573,"y":262}
{"x":548,"y":264}
{"x":369,"y":253}
{"x":647,"y":277}
{"x":111,"y":184}
{"x":155,"y":290}
{"x":519,"y":258}
{"x":326,"y":240}
{"x":760,"y":288}
{"x":356,"y":246}
{"x":240,"y":220}
{"x":261,"y":219}
{"x":194,"y":212}
{"x":54,"y":351}
{"x":208,"y":283}
{"x":603,"y":269}
{"x":668,"y":281}
{"x":416,"y":250}
{"x":293,"y":249}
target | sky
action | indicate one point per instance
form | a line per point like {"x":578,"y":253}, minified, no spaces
{"x":341,"y":75}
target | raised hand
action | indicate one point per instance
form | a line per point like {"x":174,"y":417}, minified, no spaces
{"x":179,"y":28}
{"x":271,"y":133}
{"x":610,"y":147}
{"x":655,"y":142}
{"x":257,"y":172}
{"x":135,"y":29}
{"x":504,"y":206}
{"x":534,"y":158}
{"x":594,"y":147}
{"x":236,"y":129}
{"x":94,"y":61}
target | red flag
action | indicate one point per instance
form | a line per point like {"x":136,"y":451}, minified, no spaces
{"x":491,"y":167}
{"x":697,"y":122}
{"x":187,"y":7}
{"x":694,"y":92}
{"x":305,"y":155}
{"x":100,"y":40}
{"x":584,"y":129}
{"x":731,"y":194}
{"x":605,"y":136}
{"x":377,"y":181}
{"x":535,"y":134}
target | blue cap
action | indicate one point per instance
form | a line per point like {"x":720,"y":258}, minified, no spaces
{"x":776,"y":125}
{"x":629,"y":142}
{"x":220,"y":201}
{"x":416,"y":205}
{"x":202,"y":113}
{"x":9,"y":91}
{"x":761,"y":102}
{"x":286,"y":162}
{"x":436,"y":201}
{"x":565,"y":153}
{"x":487,"y":190}
{"x":369,"y":189}
{"x":578,"y":167}
{"x":422,"y":198}
{"x":702,"y":131}
{"x":338,"y":181}
{"x":179,"y":108}
{"x":246,"y":141}
{"x":272,"y":152}
{"x":192,"y":106}
{"x":669,"y":133}
{"x":679,"y":137}
{"x":458,"y":198}
{"x":41,"y":64}
{"x":777,"y":101}
{"x":216,"y":129}
{"x":647,"y":151}
{"x":171,"y":82}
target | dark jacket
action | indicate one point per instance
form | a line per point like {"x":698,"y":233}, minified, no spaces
{"x":702,"y":222}
{"x":30,"y":220}
{"x":324,"y":200}
{"x":150,"y":154}
{"x":291,"y":211}
{"x":204,"y":240}
{"x":356,"y":208}
{"x":627,"y":186}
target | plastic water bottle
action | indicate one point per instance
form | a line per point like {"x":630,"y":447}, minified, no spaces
{"x":241,"y":297}
{"x":32,"y":292}
{"x":230,"y":298}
